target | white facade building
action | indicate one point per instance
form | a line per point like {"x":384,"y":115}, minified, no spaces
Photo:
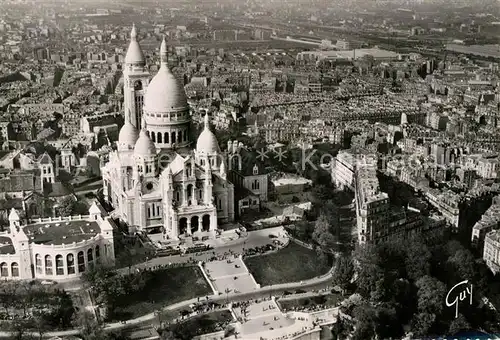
{"x":372,"y":204}
{"x":343,"y":170}
{"x":56,"y":249}
{"x":491,"y":253}
{"x":155,"y":180}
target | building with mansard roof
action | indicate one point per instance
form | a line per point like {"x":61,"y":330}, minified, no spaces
{"x":155,"y":180}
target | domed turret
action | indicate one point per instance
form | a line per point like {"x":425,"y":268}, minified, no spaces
{"x":144,"y":146}
{"x":128,"y":137}
{"x":134,"y":53}
{"x":166,"y":108}
{"x":207,"y":142}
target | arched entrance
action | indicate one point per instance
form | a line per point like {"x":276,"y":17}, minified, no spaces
{"x":183,"y":225}
{"x":194,"y":224}
{"x":206,"y":222}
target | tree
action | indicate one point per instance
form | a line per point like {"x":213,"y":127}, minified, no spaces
{"x":41,"y":323}
{"x":321,"y":193}
{"x":459,"y":324}
{"x":422,"y":324}
{"x":303,"y":230}
{"x":322,"y":234}
{"x":20,"y":327}
{"x":431,"y":294}
{"x":365,"y":316}
{"x":368,"y":269}
{"x":327,"y":241}
{"x":168,"y":334}
{"x":418,"y":259}
{"x":341,"y":329}
{"x":322,"y":257}
{"x":90,"y":328}
{"x":387,"y":323}
{"x":62,"y":314}
{"x":66,"y":206}
{"x":8,"y":297}
{"x":344,"y":272}
{"x":463,"y":264}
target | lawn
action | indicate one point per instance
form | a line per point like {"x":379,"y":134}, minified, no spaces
{"x":323,"y":301}
{"x":159,"y":289}
{"x":291,"y":264}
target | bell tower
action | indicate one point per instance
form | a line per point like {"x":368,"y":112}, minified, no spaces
{"x":136,"y":81}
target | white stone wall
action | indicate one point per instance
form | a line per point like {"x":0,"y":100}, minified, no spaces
{"x":262,"y":185}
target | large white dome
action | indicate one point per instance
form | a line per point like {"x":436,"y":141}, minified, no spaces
{"x":165,"y":93}
{"x":207,"y":142}
{"x":128,"y":136}
{"x":144,"y":145}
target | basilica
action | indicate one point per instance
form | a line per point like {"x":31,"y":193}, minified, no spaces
{"x":156,"y":180}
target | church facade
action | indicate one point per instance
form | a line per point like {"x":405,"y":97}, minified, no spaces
{"x":156,"y":179}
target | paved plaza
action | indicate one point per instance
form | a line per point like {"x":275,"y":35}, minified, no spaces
{"x":230,"y":276}
{"x":266,"y":318}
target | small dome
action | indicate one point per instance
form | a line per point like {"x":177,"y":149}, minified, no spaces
{"x":165,"y":93}
{"x":128,"y":136}
{"x":134,"y":53}
{"x":144,"y":145}
{"x":404,"y":119}
{"x":207,"y":142}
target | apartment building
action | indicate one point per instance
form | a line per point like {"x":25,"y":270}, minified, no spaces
{"x":488,"y":222}
{"x":372,"y":205}
{"x":447,"y":203}
{"x":491,"y":253}
{"x":343,"y":170}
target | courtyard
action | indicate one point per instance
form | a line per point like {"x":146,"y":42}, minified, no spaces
{"x":266,"y":318}
{"x":293,"y":263}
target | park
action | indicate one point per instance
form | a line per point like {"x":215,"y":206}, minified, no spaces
{"x":120,"y":296}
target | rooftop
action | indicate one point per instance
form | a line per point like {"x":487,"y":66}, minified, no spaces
{"x":291,"y":180}
{"x":493,"y":236}
{"x":6,"y":246}
{"x":490,"y":218}
{"x":62,"y":232}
